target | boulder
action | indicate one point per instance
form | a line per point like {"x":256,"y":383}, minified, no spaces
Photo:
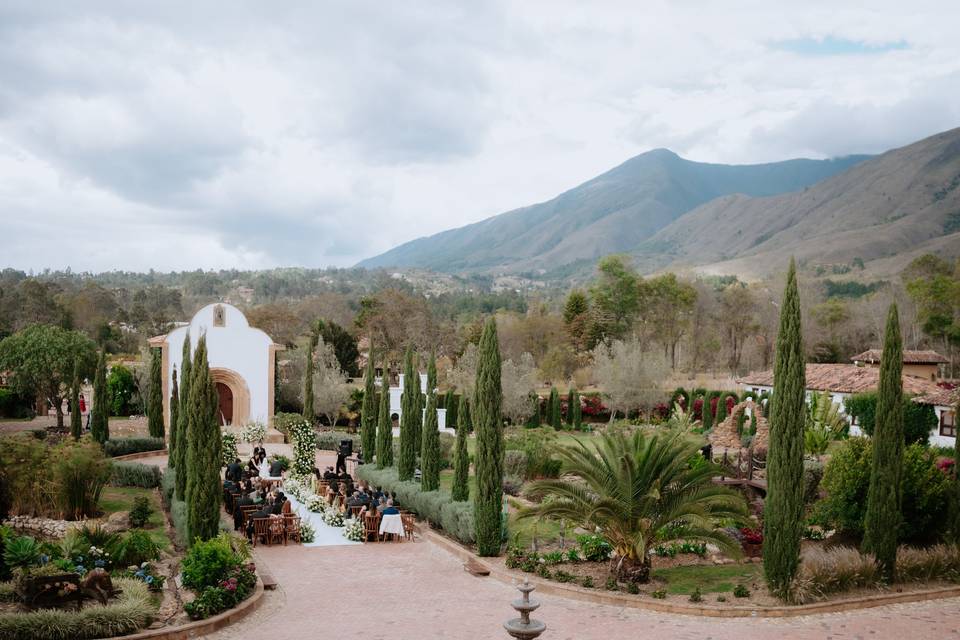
{"x":117,"y":522}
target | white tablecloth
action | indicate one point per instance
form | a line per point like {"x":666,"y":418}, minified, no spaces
{"x":391,"y":523}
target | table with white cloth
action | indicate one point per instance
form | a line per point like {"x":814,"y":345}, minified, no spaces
{"x":391,"y":523}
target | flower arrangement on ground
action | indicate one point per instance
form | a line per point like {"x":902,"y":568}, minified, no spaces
{"x":228,"y":450}
{"x":315,"y":503}
{"x":307,"y":534}
{"x":353,"y":530}
{"x":253,"y":432}
{"x":293,"y":487}
{"x":333,"y":517}
{"x":304,"y":441}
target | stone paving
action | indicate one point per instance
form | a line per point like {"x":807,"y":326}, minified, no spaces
{"x":413,"y":591}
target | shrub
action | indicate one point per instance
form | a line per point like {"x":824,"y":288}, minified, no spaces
{"x":587,"y":582}
{"x":918,"y":419}
{"x":24,"y":482}
{"x":330,"y":440}
{"x":512,"y":485}
{"x":826,"y":571}
{"x":741,"y":591}
{"x":135,"y":474}
{"x":562,"y":576}
{"x":208,"y":561}
{"x":136,"y":548}
{"x":140,"y":512}
{"x":120,"y":389}
{"x":126,"y":446}
{"x":846,"y":480}
{"x":634,"y":589}
{"x":594,"y":548}
{"x":611,"y":584}
{"x":659,"y":594}
{"x":696,"y":596}
{"x":236,"y":585}
{"x":282,"y":422}
{"x":812,"y":476}
{"x":133,"y":609}
{"x":178,"y":514}
{"x":436,"y":507}
{"x":80,"y":471}
{"x":515,"y":463}
{"x":939,"y":562}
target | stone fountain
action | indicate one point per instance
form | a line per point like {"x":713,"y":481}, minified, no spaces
{"x":523,"y":627}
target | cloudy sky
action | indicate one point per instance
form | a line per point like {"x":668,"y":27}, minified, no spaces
{"x":178,"y":135}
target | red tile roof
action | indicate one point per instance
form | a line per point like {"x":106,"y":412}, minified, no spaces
{"x":847,"y":378}
{"x":909,"y":357}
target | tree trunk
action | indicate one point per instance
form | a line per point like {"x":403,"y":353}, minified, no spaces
{"x":58,"y":403}
{"x":631,"y":570}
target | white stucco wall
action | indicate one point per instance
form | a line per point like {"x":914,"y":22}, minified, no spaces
{"x":396,"y":394}
{"x":235,"y":346}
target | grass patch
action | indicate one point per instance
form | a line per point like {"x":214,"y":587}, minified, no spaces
{"x":709,"y":578}
{"x":116,"y":499}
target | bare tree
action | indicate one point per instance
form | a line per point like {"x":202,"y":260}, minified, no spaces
{"x":628,"y":375}
{"x":518,"y":379}
{"x":330,"y":388}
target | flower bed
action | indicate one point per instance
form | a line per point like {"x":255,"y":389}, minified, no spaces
{"x":217,"y":572}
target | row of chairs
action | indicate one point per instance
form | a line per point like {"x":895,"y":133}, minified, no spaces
{"x":371,"y":528}
{"x":271,"y":531}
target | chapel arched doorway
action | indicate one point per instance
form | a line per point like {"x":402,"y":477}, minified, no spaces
{"x":233,"y":396}
{"x":225,"y":397}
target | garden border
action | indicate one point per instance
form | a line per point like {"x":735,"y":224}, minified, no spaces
{"x":200,"y":628}
{"x":140,"y":454}
{"x":598,"y":596}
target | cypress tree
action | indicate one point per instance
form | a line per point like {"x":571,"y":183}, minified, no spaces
{"x":488,"y":423}
{"x":76,"y":420}
{"x":99,"y":426}
{"x":721,"y":408}
{"x":155,"y":397}
{"x":535,"y":418}
{"x":463,"y":413}
{"x":430,"y":447}
{"x":368,"y":413}
{"x":553,"y":409}
{"x":419,"y":410}
{"x":407,"y":463}
{"x":782,"y":523}
{"x":574,"y":410}
{"x":708,"y":408}
{"x":384,"y":425}
{"x":183,"y":417}
{"x":569,"y":415}
{"x":882,"y":518}
{"x":174,"y":422}
{"x":426,"y":429}
{"x":204,"y":451}
{"x":308,"y":413}
{"x":450,"y":404}
{"x":461,"y":458}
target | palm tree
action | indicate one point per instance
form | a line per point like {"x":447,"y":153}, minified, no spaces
{"x":637,"y":491}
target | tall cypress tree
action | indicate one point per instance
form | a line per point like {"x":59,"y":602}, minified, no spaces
{"x":569,"y":415}
{"x":183,"y":417}
{"x":407,"y":463}
{"x":882,"y":518}
{"x":155,"y":397}
{"x":556,"y":417}
{"x":420,"y":409}
{"x":461,"y":458}
{"x":574,"y":410}
{"x":384,"y":425}
{"x":488,"y":423}
{"x":174,"y":422}
{"x":204,"y":451}
{"x":450,"y":404}
{"x":424,"y":428}
{"x":430,"y":447}
{"x":308,"y":413}
{"x":783,"y":512}
{"x":708,"y":401}
{"x":368,"y":413}
{"x":99,"y":426}
{"x":76,"y":420}
{"x":535,"y":418}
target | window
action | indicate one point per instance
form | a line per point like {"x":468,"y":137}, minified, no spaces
{"x":948,"y":426}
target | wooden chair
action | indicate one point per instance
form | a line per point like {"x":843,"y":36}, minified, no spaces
{"x":278,"y":531}
{"x":291,"y":525}
{"x":371,"y":527}
{"x":408,"y":525}
{"x":246,"y":510}
{"x":261,"y":530}
{"x":355,"y":511}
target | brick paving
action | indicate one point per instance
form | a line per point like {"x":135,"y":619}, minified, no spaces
{"x":413,"y":591}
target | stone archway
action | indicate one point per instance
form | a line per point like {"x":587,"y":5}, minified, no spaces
{"x":238,"y":389}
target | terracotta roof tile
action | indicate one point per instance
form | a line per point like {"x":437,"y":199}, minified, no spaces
{"x":909,"y":357}
{"x":846,"y":378}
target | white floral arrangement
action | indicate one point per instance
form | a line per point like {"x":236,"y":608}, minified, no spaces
{"x":307,"y":534}
{"x":332,"y":517}
{"x":304,"y":441}
{"x":293,"y":487}
{"x":228,"y":447}
{"x":316,"y":504}
{"x":253,"y":432}
{"x":353,"y":530}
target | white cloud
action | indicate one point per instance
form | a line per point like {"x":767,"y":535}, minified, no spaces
{"x":179,"y":135}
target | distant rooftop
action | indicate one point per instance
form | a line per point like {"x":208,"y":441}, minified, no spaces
{"x":872,"y":356}
{"x":847,"y":378}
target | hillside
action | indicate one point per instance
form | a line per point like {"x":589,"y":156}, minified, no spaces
{"x":885,"y":211}
{"x":612,"y":213}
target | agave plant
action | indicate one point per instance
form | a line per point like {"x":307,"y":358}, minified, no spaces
{"x":637,"y":491}
{"x":816,"y":439}
{"x":21,"y":552}
{"x":824,"y":413}
{"x":680,"y":419}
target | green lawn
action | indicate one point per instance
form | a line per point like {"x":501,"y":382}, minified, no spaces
{"x":115,"y":499}
{"x":709,"y":578}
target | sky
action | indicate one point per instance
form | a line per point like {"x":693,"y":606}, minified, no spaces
{"x":244,"y":134}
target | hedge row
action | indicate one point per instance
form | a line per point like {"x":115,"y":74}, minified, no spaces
{"x":436,"y":507}
{"x":126,"y":446}
{"x":135,"y":474}
{"x":330,"y":440}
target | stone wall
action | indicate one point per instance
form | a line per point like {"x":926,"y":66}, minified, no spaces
{"x":725,"y":436}
{"x":42,"y":527}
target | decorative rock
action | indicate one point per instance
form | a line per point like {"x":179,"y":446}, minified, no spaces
{"x":117,"y":522}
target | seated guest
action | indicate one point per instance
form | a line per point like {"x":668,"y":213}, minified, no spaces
{"x":382,"y":504}
{"x":378,"y":493}
{"x":276,"y":468}
{"x":234,"y":470}
{"x":329,"y":474}
{"x":253,"y":468}
{"x":263,"y":512}
{"x":278,"y":501}
{"x":244,"y":500}
{"x":390,"y":510}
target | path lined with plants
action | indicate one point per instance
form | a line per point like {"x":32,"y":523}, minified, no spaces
{"x":420,"y":591}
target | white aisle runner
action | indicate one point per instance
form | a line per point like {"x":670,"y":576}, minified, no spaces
{"x":324,"y":534}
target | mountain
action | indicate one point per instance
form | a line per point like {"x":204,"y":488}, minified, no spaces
{"x":885,"y":211}
{"x":613,"y":213}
